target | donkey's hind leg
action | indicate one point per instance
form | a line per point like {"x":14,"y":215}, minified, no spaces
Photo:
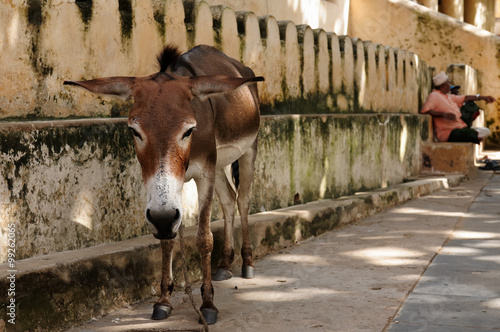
{"x":227,"y":198}
{"x":246,"y":172}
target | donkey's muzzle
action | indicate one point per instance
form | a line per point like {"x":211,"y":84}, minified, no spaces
{"x":165,"y":223}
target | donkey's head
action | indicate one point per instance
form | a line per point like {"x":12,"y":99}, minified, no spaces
{"x":163,"y":123}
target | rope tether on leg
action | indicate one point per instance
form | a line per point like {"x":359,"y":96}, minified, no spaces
{"x":187,"y":288}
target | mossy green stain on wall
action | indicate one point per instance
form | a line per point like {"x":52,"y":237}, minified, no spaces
{"x":319,"y":225}
{"x":430,"y":30}
{"x":315,"y":103}
{"x":494,"y":139}
{"x":11,"y":143}
{"x":274,"y":134}
{"x":31,"y":310}
{"x":85,"y":7}
{"x":34,"y":12}
{"x":45,"y":158}
{"x":35,"y":18}
{"x":391,"y":198}
{"x":289,"y":136}
{"x":394,"y":129}
{"x":271,"y":238}
{"x":58,"y":141}
{"x":159,"y":16}
{"x":413,"y":123}
{"x":497,"y":54}
{"x":359,"y":146}
{"x":126,"y":18}
{"x":285,"y":231}
{"x":343,"y":153}
{"x":424,"y":129}
{"x":312,"y":167}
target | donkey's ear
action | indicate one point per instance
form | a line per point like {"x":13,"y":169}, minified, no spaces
{"x":120,"y":86}
{"x":205,"y":86}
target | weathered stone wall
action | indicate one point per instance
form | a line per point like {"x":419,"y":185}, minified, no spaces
{"x":68,"y":185}
{"x":439,"y":40}
{"x":74,"y":184}
{"x":44,"y":43}
{"x":480,"y":13}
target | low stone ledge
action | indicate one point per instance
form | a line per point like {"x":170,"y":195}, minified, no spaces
{"x":72,"y":180}
{"x":59,"y":123}
{"x":56,"y":291}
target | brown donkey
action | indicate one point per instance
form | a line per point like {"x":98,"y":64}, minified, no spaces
{"x":197,"y":116}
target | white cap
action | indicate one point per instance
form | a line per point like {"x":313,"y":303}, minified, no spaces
{"x":439,"y":79}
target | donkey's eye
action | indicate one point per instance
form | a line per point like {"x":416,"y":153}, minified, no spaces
{"x":135,"y":133}
{"x":188,"y":132}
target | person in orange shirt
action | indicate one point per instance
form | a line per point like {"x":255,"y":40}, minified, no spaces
{"x":446,"y":116}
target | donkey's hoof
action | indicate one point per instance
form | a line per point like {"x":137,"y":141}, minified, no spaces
{"x":210,"y":316}
{"x":247,"y":271}
{"x":222,"y":274}
{"x":161,"y":311}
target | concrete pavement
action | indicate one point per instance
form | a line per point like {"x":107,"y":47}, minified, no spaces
{"x":431,"y":264}
{"x":460,"y":290}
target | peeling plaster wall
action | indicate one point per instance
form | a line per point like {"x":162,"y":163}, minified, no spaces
{"x":330,"y":156}
{"x":68,"y":185}
{"x":439,"y":40}
{"x":73,"y":184}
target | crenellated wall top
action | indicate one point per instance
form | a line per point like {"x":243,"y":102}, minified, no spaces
{"x":44,"y":43}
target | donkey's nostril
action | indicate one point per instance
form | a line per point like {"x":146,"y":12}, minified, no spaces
{"x":171,"y":215}
{"x":148,"y":215}
{"x":164,"y":222}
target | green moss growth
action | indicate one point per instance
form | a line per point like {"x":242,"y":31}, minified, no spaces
{"x":285,"y":231}
{"x":126,"y":18}
{"x":85,"y":7}
{"x":25,"y":145}
{"x":391,"y":198}
{"x":493,"y":141}
{"x":54,"y":301}
{"x":314,"y":104}
{"x":34,"y":12}
{"x":320,"y":224}
{"x":159,"y":16}
{"x":189,"y":22}
{"x":36,"y":19}
{"x":120,"y":108}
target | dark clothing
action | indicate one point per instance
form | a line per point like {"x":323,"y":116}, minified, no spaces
{"x":464,"y":135}
{"x":470,"y":112}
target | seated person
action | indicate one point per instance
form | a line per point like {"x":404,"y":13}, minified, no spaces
{"x":446,"y":116}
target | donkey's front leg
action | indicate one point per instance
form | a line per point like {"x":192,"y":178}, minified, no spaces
{"x":205,"y":243}
{"x":162,"y":307}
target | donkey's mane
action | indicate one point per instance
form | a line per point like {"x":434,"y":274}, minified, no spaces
{"x":167,"y":57}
